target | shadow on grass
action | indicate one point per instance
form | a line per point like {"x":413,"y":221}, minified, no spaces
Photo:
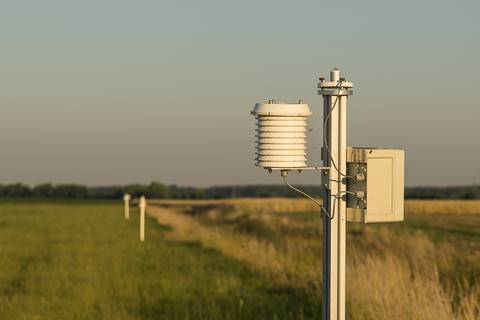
{"x":253,"y":297}
{"x":266,"y":303}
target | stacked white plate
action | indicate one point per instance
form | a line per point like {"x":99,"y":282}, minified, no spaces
{"x":281,"y":135}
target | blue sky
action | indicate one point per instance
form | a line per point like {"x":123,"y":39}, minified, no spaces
{"x":102,"y":92}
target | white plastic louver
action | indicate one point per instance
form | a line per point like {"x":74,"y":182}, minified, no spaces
{"x":281,"y":134}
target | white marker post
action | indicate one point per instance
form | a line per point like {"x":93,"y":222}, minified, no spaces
{"x":126,"y":201}
{"x":142,"y":204}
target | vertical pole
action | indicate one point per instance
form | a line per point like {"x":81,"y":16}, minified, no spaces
{"x":334,"y":230}
{"x":143,"y":205}
{"x":330,"y":226}
{"x":327,"y":204}
{"x":126,"y":203}
{"x":342,"y":204}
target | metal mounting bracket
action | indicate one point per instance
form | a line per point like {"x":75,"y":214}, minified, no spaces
{"x":299,"y":169}
{"x":326,"y":179}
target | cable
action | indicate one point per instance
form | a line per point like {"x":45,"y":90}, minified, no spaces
{"x":335,"y":197}
{"x":325,"y":143}
{"x":349,"y":192}
{"x":309,"y":197}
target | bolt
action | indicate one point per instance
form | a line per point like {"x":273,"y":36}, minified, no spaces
{"x":300,"y":101}
{"x":360,"y":177}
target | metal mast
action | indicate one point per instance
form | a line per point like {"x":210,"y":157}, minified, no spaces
{"x":335,"y":94}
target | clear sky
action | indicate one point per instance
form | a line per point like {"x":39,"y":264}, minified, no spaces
{"x":106,"y":92}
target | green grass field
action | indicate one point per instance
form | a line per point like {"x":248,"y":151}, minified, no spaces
{"x":83,"y":260}
{"x":76,"y":260}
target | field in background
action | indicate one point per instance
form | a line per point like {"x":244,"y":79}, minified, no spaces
{"x":285,"y":205}
{"x":427,"y":267}
{"x":80,"y":260}
{"x":232,"y":259}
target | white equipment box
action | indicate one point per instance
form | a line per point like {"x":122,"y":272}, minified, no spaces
{"x":375,"y":185}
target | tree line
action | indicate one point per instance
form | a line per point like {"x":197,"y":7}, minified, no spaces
{"x":161,"y":191}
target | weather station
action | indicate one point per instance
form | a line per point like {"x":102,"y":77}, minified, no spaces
{"x":361,"y":185}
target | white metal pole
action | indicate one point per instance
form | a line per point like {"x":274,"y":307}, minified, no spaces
{"x":330,"y":275}
{"x":342,"y":204}
{"x":334,"y":230}
{"x":142,"y":205}
{"x":327,"y":204}
{"x":126,"y":202}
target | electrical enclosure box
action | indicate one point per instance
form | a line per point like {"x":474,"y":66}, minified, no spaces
{"x":375,"y":185}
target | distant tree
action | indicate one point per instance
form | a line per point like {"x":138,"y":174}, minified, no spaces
{"x":17,"y":190}
{"x":118,"y":192}
{"x":45,"y":190}
{"x":71,"y":191}
{"x":136,"y":190}
{"x":157,"y":190}
{"x":173,"y":190}
{"x":109,"y":192}
{"x":199,"y":193}
{"x":468,"y":195}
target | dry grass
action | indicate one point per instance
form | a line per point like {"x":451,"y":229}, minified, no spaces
{"x":269,"y":205}
{"x":385,"y":287}
{"x":273,"y":264}
{"x":392,"y":274}
{"x":252,"y":205}
{"x":399,"y":279}
{"x":442,"y":206}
